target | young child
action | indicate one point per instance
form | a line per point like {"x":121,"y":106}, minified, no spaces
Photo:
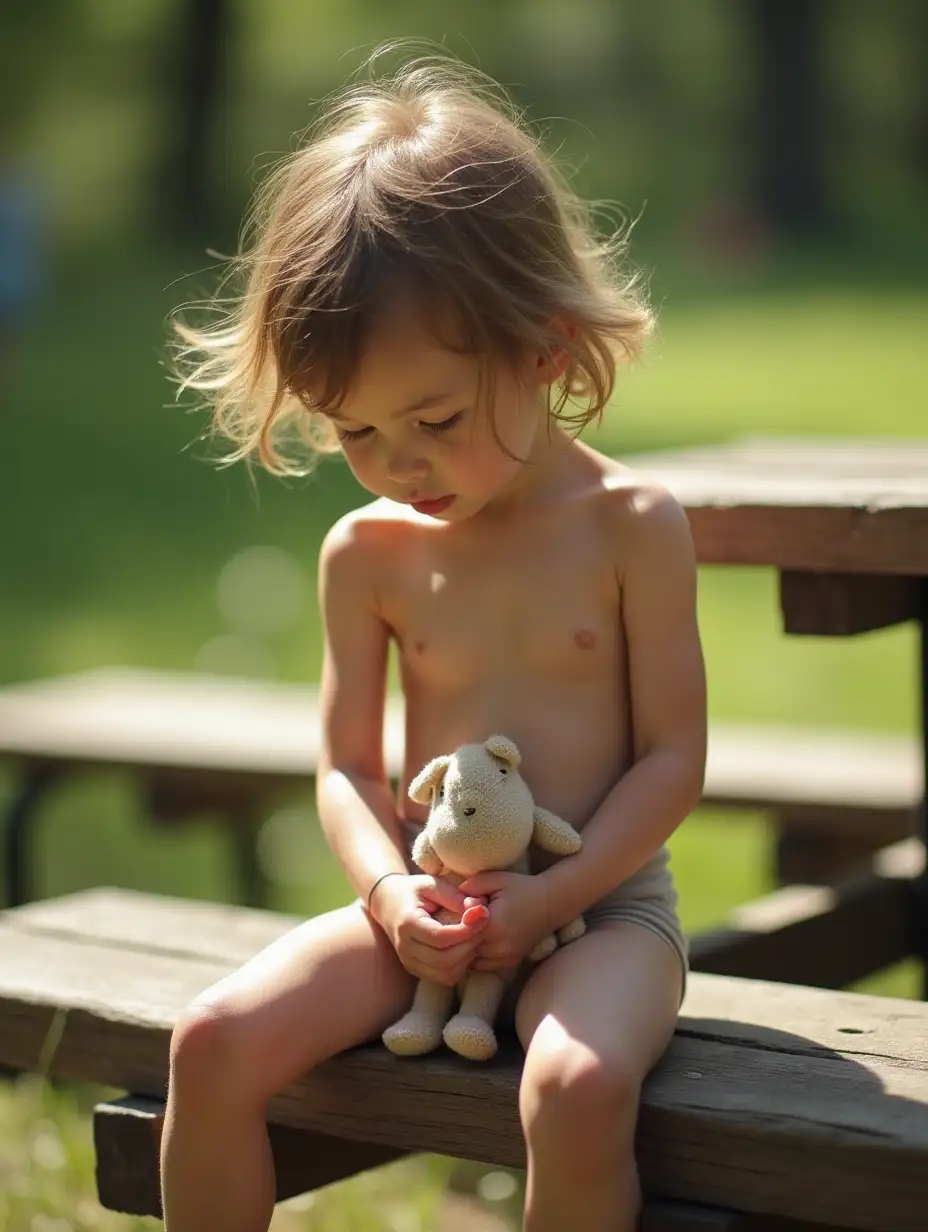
{"x":425,"y":295}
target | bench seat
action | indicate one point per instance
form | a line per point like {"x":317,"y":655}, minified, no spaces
{"x":198,"y":742}
{"x":772,"y":1101}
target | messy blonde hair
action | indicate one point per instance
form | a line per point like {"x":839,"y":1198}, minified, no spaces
{"x":427,"y":183}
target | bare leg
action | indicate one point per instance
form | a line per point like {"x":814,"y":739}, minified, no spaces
{"x":330,"y":984}
{"x":594,"y":1019}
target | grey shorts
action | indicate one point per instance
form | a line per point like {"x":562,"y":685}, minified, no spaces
{"x":648,"y":899}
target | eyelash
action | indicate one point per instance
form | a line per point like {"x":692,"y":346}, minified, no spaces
{"x":445,"y":425}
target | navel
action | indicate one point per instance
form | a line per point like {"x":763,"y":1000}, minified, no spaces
{"x":584,"y":639}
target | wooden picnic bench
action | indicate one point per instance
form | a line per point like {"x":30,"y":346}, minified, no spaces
{"x":196,"y":743}
{"x":845,"y":525}
{"x":775,"y":1109}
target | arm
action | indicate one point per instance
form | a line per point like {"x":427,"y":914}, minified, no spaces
{"x":657,"y":577}
{"x":357,"y":810}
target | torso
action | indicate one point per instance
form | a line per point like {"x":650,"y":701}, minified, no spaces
{"x":515,"y":627}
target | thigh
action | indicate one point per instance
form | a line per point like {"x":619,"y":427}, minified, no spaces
{"x":614,"y":993}
{"x":330,"y":983}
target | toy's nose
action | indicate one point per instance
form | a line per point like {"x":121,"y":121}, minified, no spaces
{"x":469,"y":811}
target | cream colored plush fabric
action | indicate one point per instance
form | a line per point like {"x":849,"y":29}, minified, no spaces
{"x":482,"y":817}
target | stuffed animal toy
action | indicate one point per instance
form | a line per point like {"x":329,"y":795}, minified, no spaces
{"x":482,"y":818}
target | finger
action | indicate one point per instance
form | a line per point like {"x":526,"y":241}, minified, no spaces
{"x":443,"y":894}
{"x":480,"y":885}
{"x":476,"y":914}
{"x":473,"y":901}
{"x":443,"y":936}
{"x":439,"y":967}
{"x":446,"y":965}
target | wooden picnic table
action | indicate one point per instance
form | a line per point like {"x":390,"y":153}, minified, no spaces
{"x":844,"y":521}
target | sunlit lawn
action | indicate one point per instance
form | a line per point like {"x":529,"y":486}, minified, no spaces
{"x":120,"y":532}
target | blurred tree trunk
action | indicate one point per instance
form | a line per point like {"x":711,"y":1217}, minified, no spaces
{"x":197,"y":61}
{"x":791,"y":169}
{"x":919,"y":60}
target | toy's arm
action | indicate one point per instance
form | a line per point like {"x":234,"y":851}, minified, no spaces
{"x":424,"y":855}
{"x":555,"y":835}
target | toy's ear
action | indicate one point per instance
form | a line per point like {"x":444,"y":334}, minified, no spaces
{"x":503,"y":748}
{"x":428,"y":778}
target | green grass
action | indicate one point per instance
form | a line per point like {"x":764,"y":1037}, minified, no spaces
{"x":121,"y":530}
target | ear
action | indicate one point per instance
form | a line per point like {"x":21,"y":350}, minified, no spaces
{"x":504,"y":748}
{"x":554,"y":360}
{"x":428,"y":778}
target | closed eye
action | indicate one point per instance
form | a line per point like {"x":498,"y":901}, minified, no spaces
{"x":353,"y":434}
{"x":443,"y":425}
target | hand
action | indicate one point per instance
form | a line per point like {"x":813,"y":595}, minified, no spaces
{"x":405,"y":907}
{"x":517,"y":921}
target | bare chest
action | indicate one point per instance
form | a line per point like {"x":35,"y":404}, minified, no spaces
{"x":458,"y":620}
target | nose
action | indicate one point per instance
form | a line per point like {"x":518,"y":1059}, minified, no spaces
{"x":403,"y":466}
{"x":469,"y":811}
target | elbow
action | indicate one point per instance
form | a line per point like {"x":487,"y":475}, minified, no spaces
{"x":689,"y":775}
{"x":693,"y":773}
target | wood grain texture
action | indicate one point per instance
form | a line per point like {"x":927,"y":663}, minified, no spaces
{"x":846,"y":506}
{"x":790,"y":1101}
{"x":127,"y":1135}
{"x":127,"y":1141}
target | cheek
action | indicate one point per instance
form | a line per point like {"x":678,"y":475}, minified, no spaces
{"x":363,"y":465}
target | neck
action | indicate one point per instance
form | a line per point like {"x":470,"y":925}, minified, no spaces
{"x":540,"y":475}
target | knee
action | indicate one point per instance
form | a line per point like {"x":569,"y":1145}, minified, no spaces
{"x":577,"y":1105}
{"x":208,"y":1050}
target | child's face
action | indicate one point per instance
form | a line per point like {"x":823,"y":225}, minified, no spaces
{"x":417,"y":428}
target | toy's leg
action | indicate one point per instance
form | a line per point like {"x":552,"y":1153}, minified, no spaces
{"x":572,"y":930}
{"x":419,"y":1030}
{"x":470,"y":1032}
{"x":547,"y":945}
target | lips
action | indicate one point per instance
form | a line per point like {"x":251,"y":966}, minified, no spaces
{"x":432,"y":507}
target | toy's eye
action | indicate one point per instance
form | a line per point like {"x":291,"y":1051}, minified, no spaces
{"x":503,"y":770}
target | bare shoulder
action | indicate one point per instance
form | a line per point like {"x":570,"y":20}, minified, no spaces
{"x":362,"y":532}
{"x":358,"y":544}
{"x":644,"y":521}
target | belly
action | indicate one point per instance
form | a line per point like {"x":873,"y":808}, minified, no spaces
{"x":574,"y":740}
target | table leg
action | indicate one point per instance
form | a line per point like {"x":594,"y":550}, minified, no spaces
{"x":17,"y":824}
{"x":253,"y":887}
{"x":920,"y":923}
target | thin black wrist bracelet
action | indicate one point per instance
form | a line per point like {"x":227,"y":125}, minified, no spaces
{"x":382,"y":877}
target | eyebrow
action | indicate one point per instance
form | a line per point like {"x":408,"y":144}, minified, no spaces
{"x":428,"y":402}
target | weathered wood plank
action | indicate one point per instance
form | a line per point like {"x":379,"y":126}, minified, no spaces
{"x":853,"y":506}
{"x":844,"y":604}
{"x":127,"y":1139}
{"x":199,"y":738}
{"x":794,"y":1101}
{"x":173,"y":721}
{"x":827,"y":936}
{"x":127,"y":1135}
{"x":808,"y":935}
{"x":153,"y":923}
{"x":120,"y":935}
{"x":844,"y":779}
